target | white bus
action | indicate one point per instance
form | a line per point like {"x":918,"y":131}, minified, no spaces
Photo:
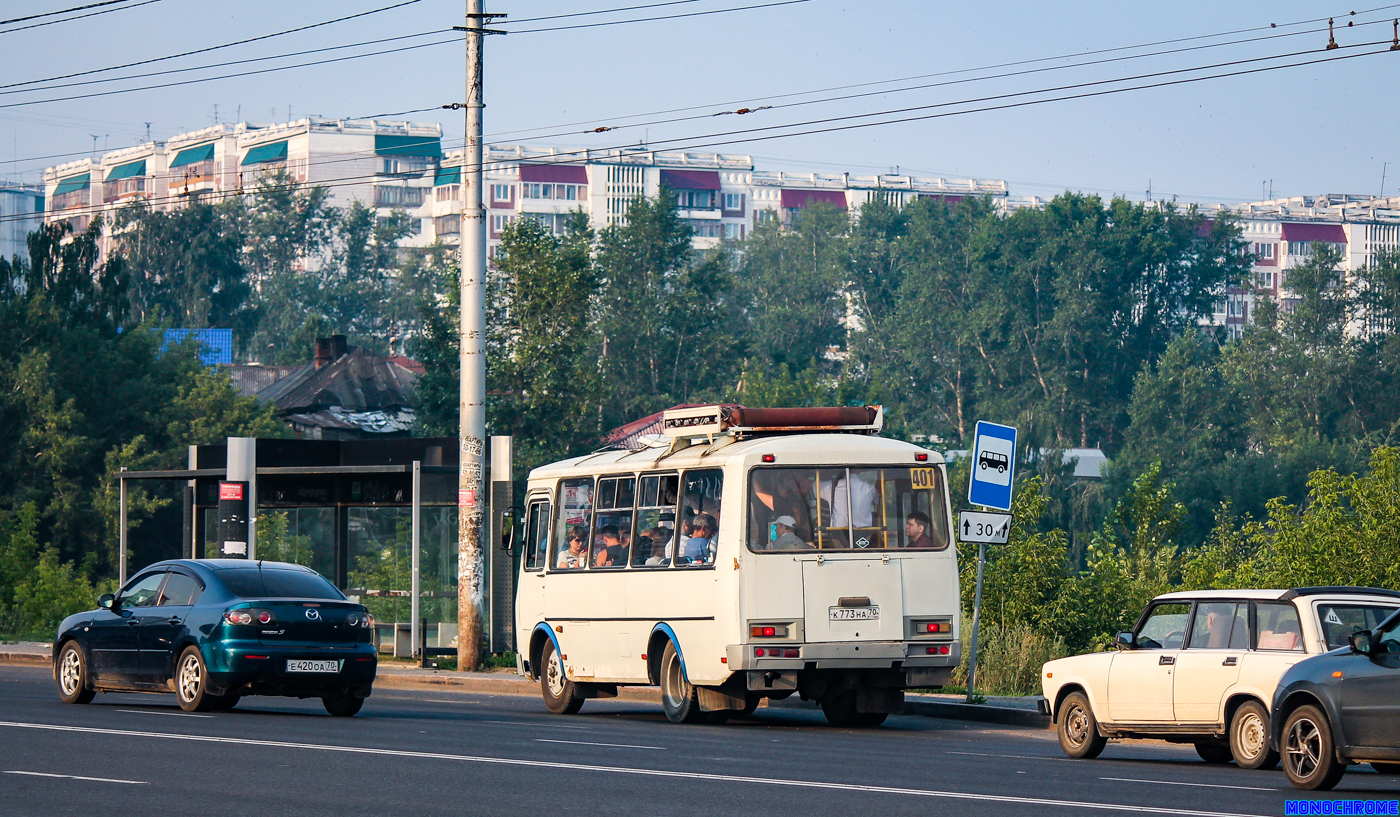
{"x":742,"y":554}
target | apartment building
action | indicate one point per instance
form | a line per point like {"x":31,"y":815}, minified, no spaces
{"x":721,"y":196}
{"x":21,"y":212}
{"x":1280,"y":234}
{"x":384,"y":165}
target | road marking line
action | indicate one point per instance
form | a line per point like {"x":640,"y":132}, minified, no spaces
{"x":1018,"y":757}
{"x":171,"y":714}
{"x":1176,"y":783}
{"x":78,"y":777}
{"x":545,"y":725}
{"x":586,"y":743}
{"x":640,"y":772}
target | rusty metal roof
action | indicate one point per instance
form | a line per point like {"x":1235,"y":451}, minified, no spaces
{"x":356,"y":382}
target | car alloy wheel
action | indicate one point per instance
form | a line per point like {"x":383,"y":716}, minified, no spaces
{"x":72,"y":676}
{"x":1308,"y":758}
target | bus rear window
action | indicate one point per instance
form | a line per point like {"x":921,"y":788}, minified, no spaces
{"x":857,"y":508}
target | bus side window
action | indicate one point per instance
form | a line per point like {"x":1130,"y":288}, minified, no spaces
{"x":537,"y":535}
{"x":612,"y":532}
{"x":655,"y":541}
{"x":700,"y":507}
{"x":575,"y":511}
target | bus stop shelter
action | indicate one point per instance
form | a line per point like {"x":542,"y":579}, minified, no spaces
{"x":377,"y":517}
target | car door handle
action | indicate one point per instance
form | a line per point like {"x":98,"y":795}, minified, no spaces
{"x":177,"y":620}
{"x":1167,"y":659}
{"x":131,"y":622}
{"x":1230,"y":662}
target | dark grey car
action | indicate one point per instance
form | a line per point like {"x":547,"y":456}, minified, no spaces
{"x":1341,"y":708}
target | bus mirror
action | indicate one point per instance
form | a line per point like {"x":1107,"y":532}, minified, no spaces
{"x":508,"y":529}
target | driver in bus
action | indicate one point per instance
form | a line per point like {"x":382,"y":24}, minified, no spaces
{"x":916,"y":529}
{"x":574,"y":557}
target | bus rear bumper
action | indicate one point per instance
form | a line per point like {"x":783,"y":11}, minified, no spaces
{"x":843,"y":655}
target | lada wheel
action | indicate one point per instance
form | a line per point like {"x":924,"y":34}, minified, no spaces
{"x":678,"y":697}
{"x":192,"y":682}
{"x":72,"y":675}
{"x":1249,"y":737}
{"x":560,"y":695}
{"x":1078,"y":729}
{"x":1309,"y":758}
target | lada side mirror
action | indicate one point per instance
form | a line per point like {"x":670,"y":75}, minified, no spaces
{"x":106,"y":600}
{"x":1361,"y":642}
{"x":1124,"y":641}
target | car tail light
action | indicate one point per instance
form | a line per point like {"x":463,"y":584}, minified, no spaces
{"x":352,"y":620}
{"x":264,"y":617}
{"x":367,"y":621}
{"x":242,"y":617}
{"x":256,"y":657}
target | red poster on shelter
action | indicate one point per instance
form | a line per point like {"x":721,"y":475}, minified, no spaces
{"x":231,"y":490}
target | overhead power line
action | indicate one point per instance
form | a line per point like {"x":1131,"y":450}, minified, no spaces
{"x":599,"y":11}
{"x":744,"y":136}
{"x":214,"y":47}
{"x":653,"y":19}
{"x":79,"y":17}
{"x":62,"y":11}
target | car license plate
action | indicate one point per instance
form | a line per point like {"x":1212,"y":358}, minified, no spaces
{"x":295,"y":665}
{"x":855,"y":613}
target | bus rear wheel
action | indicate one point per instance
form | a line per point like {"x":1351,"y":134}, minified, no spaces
{"x":840,"y":711}
{"x":678,"y":696}
{"x":561,"y":696}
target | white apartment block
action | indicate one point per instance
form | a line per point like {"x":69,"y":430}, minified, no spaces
{"x":1280,"y":234}
{"x":721,"y":196}
{"x":385,"y":165}
{"x":21,"y":212}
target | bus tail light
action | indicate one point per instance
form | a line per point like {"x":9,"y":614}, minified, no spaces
{"x":941,"y":649}
{"x":921,"y":458}
{"x":769,"y":458}
{"x":943,"y":627}
{"x":768,"y":631}
{"x":774,"y":652}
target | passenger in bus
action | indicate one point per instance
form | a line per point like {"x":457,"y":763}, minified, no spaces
{"x":699,"y":548}
{"x":777,"y":493}
{"x":575,"y":556}
{"x":786,"y":539}
{"x":863,"y":499}
{"x":661,"y":546}
{"x":612,"y":553}
{"x":916,"y":529}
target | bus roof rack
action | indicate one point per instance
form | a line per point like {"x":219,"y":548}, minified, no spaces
{"x":707,"y":421}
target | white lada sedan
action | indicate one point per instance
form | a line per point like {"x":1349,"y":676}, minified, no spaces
{"x":1201,"y":667}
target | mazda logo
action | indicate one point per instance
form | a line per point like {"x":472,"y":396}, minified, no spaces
{"x":313,"y":614}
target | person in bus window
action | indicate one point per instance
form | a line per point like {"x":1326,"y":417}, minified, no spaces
{"x":785,"y":538}
{"x":575,"y":556}
{"x":611,"y":550}
{"x":699,"y":548}
{"x":916,"y":529}
{"x":661,"y":546}
{"x":863,"y":499}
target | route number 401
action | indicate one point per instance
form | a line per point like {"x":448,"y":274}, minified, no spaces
{"x":923,"y":477}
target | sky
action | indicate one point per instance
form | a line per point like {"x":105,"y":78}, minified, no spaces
{"x":1326,"y":127}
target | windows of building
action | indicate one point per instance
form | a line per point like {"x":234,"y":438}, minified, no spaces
{"x":734,"y":232}
{"x":448,"y":225}
{"x":406,"y":165}
{"x":556,"y":223}
{"x":448,"y":192}
{"x":1264,"y":252}
{"x":501,"y":192}
{"x":764,"y":216}
{"x":498,"y":223}
{"x":706,"y":229}
{"x":394,"y":196}
{"x":733,"y":202}
{"x":415,"y":225}
{"x":548,"y":190}
{"x":1266,"y":279}
{"x":697,"y":199}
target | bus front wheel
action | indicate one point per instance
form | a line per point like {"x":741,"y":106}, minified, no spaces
{"x":678,"y":696}
{"x":561,"y":696}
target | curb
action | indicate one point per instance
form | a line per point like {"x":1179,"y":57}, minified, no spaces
{"x":23,"y":658}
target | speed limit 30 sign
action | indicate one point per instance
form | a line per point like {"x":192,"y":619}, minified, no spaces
{"x":988,"y":528}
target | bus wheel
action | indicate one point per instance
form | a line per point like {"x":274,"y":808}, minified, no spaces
{"x":678,"y":697}
{"x":750,"y":704}
{"x":560,"y":694}
{"x":840,"y":710}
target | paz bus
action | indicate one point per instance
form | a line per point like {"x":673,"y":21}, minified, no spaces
{"x":737,"y":555}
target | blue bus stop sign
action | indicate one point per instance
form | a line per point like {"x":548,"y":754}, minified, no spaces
{"x":993,"y":465}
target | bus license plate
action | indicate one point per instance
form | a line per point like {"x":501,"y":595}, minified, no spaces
{"x":854,"y":613}
{"x":312,"y":666}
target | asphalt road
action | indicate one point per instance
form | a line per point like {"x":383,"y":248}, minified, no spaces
{"x":438,"y":752}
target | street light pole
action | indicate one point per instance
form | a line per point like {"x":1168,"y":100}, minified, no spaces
{"x":472,"y":343}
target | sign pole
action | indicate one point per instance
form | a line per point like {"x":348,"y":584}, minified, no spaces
{"x":976,"y":616}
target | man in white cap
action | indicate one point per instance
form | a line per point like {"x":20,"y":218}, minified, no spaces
{"x":785,"y":538}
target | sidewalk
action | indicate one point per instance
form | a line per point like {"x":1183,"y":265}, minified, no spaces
{"x":402,"y":675}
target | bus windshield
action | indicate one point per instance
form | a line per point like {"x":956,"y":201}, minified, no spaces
{"x":846,"y":508}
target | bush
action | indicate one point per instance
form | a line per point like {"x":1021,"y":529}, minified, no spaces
{"x":37,"y":590}
{"x":1009,"y":657}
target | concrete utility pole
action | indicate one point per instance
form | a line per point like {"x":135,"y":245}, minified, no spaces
{"x":472,"y":339}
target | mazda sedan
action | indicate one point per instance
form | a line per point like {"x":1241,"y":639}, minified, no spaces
{"x":215,"y":630}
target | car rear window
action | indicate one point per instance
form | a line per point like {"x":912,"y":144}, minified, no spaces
{"x":251,"y":583}
{"x":1341,"y":620}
